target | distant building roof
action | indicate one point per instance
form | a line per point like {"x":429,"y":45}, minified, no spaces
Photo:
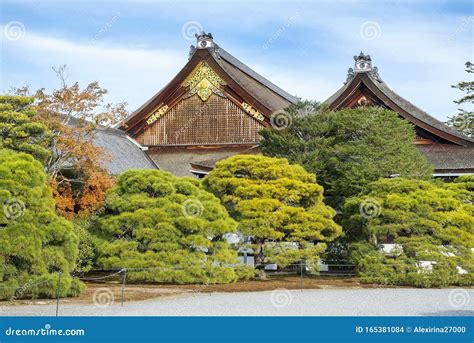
{"x":449,"y":158}
{"x":124,"y":153}
{"x":363,"y":80}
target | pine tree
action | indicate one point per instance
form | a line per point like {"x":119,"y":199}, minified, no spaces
{"x":19,"y":131}
{"x":428,"y":222}
{"x":464,"y":120}
{"x":36,"y":244}
{"x":349,"y":148}
{"x":156,"y":220}
{"x":278,"y":205}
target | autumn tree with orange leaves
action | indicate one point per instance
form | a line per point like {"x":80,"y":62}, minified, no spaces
{"x":76,"y":166}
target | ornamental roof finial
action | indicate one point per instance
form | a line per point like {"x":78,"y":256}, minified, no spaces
{"x":363,"y":64}
{"x":204,"y":40}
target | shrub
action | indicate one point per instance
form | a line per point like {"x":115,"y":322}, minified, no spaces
{"x":87,"y":254}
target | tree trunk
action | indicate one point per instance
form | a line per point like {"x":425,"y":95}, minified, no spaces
{"x":259,"y":258}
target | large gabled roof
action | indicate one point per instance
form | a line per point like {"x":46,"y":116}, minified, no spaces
{"x":256,"y":83}
{"x":242,"y":83}
{"x":364,"y":76}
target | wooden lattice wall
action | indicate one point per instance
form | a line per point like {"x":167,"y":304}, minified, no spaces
{"x":195,"y":122}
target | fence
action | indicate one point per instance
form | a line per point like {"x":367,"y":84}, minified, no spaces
{"x":300,"y":270}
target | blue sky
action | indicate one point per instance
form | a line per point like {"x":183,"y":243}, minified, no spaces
{"x":133,"y":48}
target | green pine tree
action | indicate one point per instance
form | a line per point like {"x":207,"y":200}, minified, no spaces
{"x":278,"y":205}
{"x":349,"y":148}
{"x":464,"y":120}
{"x":428,"y":222}
{"x":156,"y":220}
{"x":36,"y":244}
{"x":18,"y":130}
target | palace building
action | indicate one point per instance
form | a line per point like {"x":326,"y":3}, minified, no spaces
{"x":450,"y":152}
{"x":213,"y":108}
{"x":216,"y":105}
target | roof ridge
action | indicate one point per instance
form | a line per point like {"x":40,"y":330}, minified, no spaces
{"x":430,"y":117}
{"x":222,"y":53}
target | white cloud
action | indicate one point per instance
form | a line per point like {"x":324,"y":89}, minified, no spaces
{"x":418,"y":56}
{"x":130,"y":74}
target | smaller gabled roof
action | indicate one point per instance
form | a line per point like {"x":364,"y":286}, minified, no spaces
{"x":123,"y":153}
{"x":364,"y":74}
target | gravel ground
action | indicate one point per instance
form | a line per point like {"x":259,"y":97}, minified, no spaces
{"x":335,"y":302}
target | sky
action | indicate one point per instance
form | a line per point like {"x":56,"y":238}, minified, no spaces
{"x":134,"y":48}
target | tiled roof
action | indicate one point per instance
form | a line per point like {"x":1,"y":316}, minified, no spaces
{"x":124,"y":153}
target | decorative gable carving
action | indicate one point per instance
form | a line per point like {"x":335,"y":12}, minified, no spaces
{"x":204,"y":82}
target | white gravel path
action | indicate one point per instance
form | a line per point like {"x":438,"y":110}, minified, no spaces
{"x":334,"y":302}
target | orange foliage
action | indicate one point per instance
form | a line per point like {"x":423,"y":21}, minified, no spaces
{"x":76,"y":166}
{"x":62,"y":193}
{"x":93,"y":194}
